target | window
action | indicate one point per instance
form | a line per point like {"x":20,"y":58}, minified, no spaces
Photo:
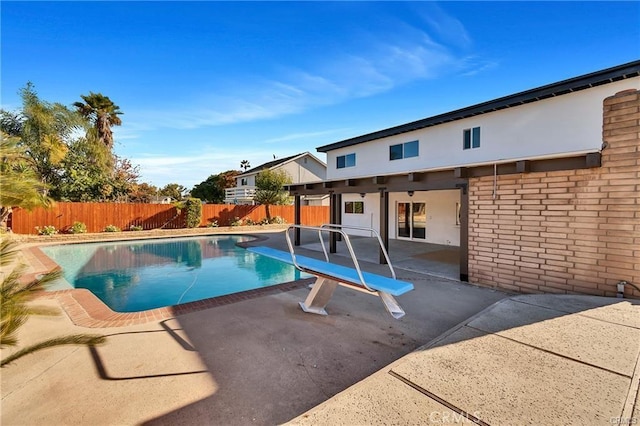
{"x":243,"y":181}
{"x":348,"y":160}
{"x":471,"y":138}
{"x":356,"y":207}
{"x":403,"y":150}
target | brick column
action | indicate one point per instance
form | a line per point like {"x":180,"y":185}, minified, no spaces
{"x":574,"y":231}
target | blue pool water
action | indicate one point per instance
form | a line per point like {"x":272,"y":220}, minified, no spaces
{"x":132,"y":276}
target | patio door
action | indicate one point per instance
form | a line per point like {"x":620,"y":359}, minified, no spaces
{"x":411,"y":220}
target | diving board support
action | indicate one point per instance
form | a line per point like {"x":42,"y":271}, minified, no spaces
{"x":319,"y":296}
{"x":323,"y":290}
{"x":391,"y":305}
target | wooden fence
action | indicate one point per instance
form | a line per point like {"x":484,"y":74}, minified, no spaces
{"x":96,"y":216}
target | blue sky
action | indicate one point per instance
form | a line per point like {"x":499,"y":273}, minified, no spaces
{"x":205,"y":85}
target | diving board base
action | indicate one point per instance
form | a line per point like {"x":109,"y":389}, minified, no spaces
{"x":319,"y":296}
{"x":323,"y":290}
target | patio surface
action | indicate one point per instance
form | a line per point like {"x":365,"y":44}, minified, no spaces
{"x":263,"y":361}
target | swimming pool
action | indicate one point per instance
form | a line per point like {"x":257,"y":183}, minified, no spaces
{"x":131,"y":276}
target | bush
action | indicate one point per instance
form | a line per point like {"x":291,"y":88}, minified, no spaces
{"x":78,"y":228}
{"x":264,"y":221}
{"x":278,"y":220}
{"x":47,"y":230}
{"x":213,"y":224}
{"x":193,"y":212}
{"x":111,"y":228}
{"x":236,"y":221}
{"x":135,"y":228}
{"x":250,"y":222}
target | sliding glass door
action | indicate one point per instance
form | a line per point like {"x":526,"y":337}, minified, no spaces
{"x":412,"y":220}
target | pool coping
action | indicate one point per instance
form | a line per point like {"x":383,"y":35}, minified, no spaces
{"x":86,"y":310}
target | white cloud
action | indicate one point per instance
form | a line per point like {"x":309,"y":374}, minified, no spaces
{"x":306,"y":135}
{"x":192,"y":168}
{"x":379,"y":63}
{"x":449,"y":29}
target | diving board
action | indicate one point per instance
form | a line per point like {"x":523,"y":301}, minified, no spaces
{"x":330,"y":275}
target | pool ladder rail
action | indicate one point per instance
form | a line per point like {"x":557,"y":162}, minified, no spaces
{"x":330,"y":275}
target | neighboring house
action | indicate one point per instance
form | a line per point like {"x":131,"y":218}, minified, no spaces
{"x":302,"y":168}
{"x":160,"y":199}
{"x":539,"y":189}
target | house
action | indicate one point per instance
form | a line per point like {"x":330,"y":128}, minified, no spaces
{"x":302,"y":168}
{"x":539,"y":190}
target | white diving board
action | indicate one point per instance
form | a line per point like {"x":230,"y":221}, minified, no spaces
{"x":330,"y":275}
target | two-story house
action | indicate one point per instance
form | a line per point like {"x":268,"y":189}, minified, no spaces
{"x":539,"y":189}
{"x":302,"y":168}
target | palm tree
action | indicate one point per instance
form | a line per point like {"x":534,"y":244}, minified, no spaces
{"x":19,"y":186}
{"x":103,"y":113}
{"x":244,"y":165}
{"x":15,"y":307}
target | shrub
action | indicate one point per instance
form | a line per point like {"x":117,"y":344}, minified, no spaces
{"x":264,"y":221}
{"x":78,"y":228}
{"x":47,"y":230}
{"x":213,"y":224}
{"x":193,"y":212}
{"x":111,"y":228}
{"x":135,"y":228}
{"x":250,"y":222}
{"x":278,"y":220}
{"x":236,"y":221}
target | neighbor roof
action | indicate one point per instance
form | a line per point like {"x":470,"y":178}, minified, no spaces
{"x":609,"y":75}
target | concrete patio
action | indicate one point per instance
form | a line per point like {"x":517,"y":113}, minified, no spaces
{"x":456,"y":355}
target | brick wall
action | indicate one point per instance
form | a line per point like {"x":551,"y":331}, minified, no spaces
{"x":575,"y":231}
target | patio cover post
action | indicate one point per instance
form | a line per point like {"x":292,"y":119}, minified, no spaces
{"x":464,"y":232}
{"x":338,"y":218}
{"x":296,"y":220}
{"x":384,"y":223}
{"x":333,"y":200}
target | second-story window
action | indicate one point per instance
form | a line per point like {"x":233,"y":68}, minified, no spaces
{"x":404,"y":150}
{"x":343,"y":161}
{"x":243,"y":181}
{"x":471,"y":138}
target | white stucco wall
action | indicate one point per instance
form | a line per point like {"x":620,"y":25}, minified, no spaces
{"x":441,"y":214}
{"x":301,"y":172}
{"x":562,"y":125}
{"x":369,"y":219}
{"x":251,"y":180}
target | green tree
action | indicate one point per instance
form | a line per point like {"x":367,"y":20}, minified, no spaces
{"x":270,"y":189}
{"x":174,"y":190}
{"x":19,"y":185}
{"x":212,"y":189}
{"x":209,"y":191}
{"x":82,"y":178}
{"x":15,"y":307}
{"x":102,"y":113}
{"x":45,"y":132}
